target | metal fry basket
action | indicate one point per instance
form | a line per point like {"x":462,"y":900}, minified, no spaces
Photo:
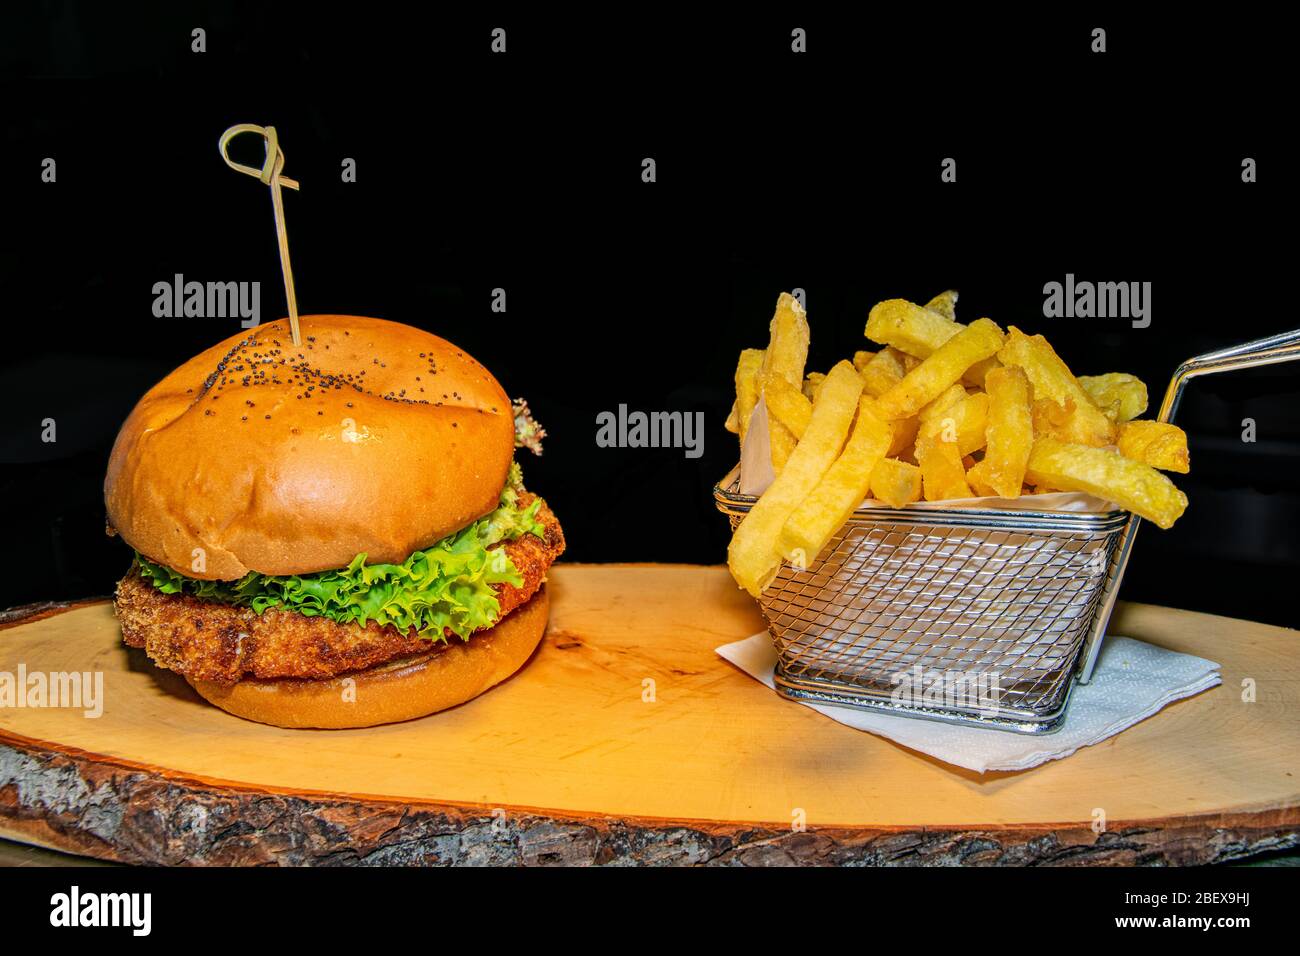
{"x":971,"y":616}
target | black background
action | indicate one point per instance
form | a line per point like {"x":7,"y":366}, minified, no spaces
{"x":606,"y":903}
{"x":522,"y":171}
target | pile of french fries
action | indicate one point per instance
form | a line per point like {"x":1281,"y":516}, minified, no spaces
{"x":941,"y":411}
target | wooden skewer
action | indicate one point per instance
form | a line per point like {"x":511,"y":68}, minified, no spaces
{"x":270,"y":175}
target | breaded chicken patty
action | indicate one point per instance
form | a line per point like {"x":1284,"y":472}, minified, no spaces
{"x":210,"y":640}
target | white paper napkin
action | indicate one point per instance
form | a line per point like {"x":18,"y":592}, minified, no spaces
{"x":1131,"y":682}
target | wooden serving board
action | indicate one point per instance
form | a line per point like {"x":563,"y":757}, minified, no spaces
{"x":575,"y":760}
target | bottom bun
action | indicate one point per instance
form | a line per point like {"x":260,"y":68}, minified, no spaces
{"x":399,"y":690}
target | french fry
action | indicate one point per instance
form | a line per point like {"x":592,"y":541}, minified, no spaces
{"x":977,"y":478}
{"x":811,"y":384}
{"x":944,"y":401}
{"x":780,"y":443}
{"x":895,"y":482}
{"x":976,"y":373}
{"x":1107,"y":474}
{"x":786,"y":355}
{"x":1038,"y":489}
{"x":963,"y":423}
{"x":1051,"y":419}
{"x":1085,"y":423}
{"x":885,"y":370}
{"x":787,"y":403}
{"x":919,"y":330}
{"x":1122,"y":397}
{"x":909,"y":327}
{"x":1158,"y":444}
{"x":1010,"y":434}
{"x":937,"y":396}
{"x":945,"y":303}
{"x":945,"y":366}
{"x":841,"y":490}
{"x":943,"y":475}
{"x":747,"y":369}
{"x":905,"y":430}
{"x":753,"y":555}
{"x":732,"y":424}
{"x":787,"y":352}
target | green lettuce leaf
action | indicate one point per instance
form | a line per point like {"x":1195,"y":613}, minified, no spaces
{"x":444,"y":587}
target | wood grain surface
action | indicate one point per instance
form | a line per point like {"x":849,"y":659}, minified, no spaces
{"x":626,"y":739}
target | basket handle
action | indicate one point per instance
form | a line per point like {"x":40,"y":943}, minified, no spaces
{"x":1284,"y":347}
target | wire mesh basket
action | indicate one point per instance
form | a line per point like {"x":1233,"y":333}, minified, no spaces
{"x":971,"y":616}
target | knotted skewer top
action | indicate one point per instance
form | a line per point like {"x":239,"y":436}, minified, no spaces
{"x":270,"y":174}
